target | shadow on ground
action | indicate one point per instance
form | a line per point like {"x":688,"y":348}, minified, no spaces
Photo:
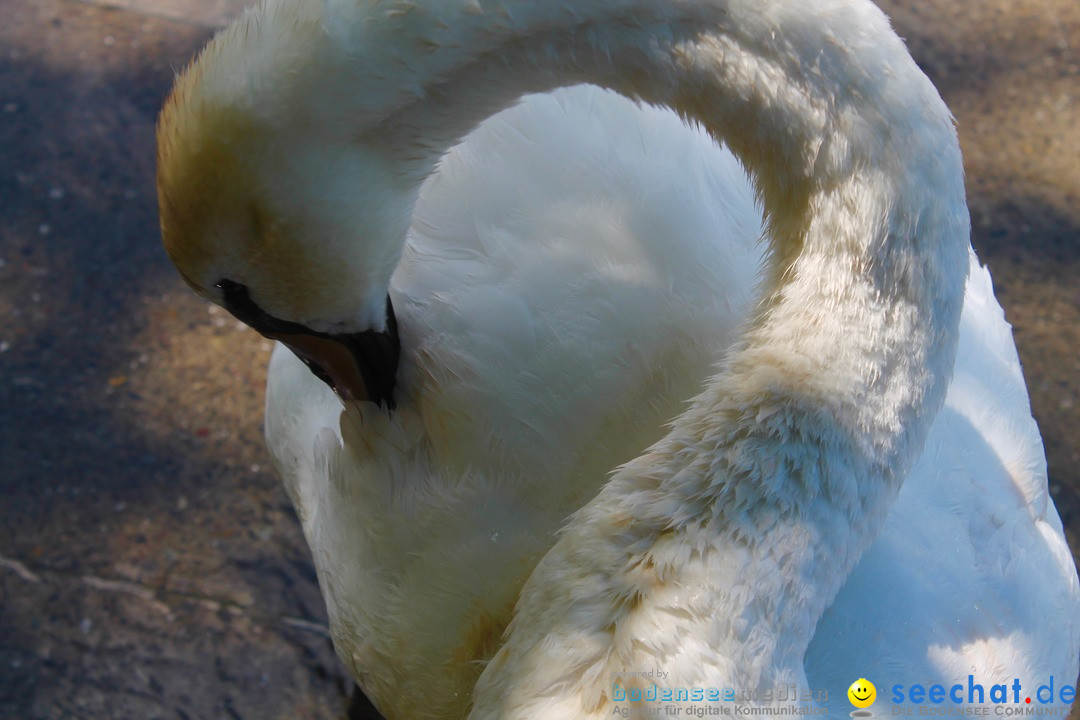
{"x":150,"y":566}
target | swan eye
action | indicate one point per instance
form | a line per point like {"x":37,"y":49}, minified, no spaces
{"x":238,"y":301}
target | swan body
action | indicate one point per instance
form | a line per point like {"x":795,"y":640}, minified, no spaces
{"x":825,"y":504}
{"x":522,"y":387}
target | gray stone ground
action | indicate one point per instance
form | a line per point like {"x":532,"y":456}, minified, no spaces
{"x":150,"y":565}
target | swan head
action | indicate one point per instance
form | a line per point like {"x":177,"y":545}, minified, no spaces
{"x":289,"y":225}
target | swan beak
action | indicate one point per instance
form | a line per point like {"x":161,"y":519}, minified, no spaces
{"x":357,"y":366}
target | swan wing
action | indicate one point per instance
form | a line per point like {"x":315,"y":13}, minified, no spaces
{"x":971,"y":574}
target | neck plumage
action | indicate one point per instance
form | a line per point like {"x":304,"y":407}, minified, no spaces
{"x":713,"y":555}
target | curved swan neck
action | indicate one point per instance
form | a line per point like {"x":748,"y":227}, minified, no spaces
{"x":850,"y":148}
{"x":849,"y":145}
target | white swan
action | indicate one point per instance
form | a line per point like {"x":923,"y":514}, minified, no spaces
{"x":291,"y":155}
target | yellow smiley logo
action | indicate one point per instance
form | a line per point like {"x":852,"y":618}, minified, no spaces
{"x":862,"y":693}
